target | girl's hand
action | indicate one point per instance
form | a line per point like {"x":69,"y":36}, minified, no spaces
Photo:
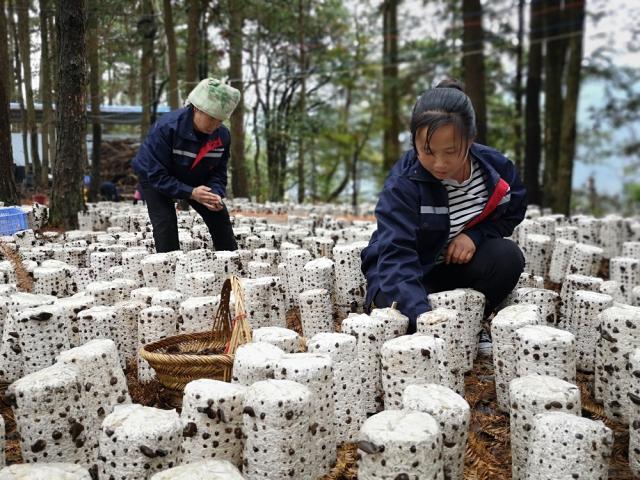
{"x":460,"y":250}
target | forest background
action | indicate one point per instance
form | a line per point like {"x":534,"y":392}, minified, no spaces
{"x":328,"y":88}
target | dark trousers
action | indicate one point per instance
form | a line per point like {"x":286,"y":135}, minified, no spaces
{"x":494,"y":271}
{"x":164,"y":219}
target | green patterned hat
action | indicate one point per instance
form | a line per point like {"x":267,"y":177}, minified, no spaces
{"x":215,"y":98}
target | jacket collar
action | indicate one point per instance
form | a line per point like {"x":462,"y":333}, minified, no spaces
{"x":482,"y":154}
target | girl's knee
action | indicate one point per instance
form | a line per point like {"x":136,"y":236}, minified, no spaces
{"x":507,"y":258}
{"x":514,"y":260}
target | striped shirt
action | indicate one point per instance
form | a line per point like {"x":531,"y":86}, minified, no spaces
{"x":466,"y":200}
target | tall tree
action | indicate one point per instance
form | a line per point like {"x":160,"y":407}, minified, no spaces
{"x":206,"y":14}
{"x":533,"y":142}
{"x":10,"y":81}
{"x":275,"y":70}
{"x":25,"y":53}
{"x":8,"y":191}
{"x":473,"y":63}
{"x":517,"y":88}
{"x":191,"y":59}
{"x":48,"y":122}
{"x":255,"y":53}
{"x":562,"y":197}
{"x":352,"y":132}
{"x":5,"y":48}
{"x":391,"y":84}
{"x":173,"y":94}
{"x":554,"y":65}
{"x":93,"y":56}
{"x":134,"y":79}
{"x":239,"y":183}
{"x":302,"y":66}
{"x":18,"y":75}
{"x":53,"y":76}
{"x":66,"y":196}
{"x":147,"y":31}
{"x":275,"y":89}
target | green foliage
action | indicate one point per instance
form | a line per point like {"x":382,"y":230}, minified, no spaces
{"x":344,"y":118}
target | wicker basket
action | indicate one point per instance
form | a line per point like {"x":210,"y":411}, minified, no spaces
{"x":180,"y":359}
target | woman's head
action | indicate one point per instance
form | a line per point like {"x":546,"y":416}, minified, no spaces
{"x":443,"y":127}
{"x":214,"y":101}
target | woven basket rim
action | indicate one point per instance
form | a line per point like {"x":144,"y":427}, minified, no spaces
{"x":150,"y":355}
{"x":229,"y":339}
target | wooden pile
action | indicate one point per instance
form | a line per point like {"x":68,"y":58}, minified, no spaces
{"x":115,"y":161}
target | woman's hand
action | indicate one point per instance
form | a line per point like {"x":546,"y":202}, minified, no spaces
{"x":203,"y":195}
{"x":460,"y":250}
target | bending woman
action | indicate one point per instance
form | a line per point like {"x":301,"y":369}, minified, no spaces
{"x":443,"y":213}
{"x":185,"y":156}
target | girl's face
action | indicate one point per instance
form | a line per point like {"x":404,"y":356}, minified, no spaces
{"x":445,"y":157}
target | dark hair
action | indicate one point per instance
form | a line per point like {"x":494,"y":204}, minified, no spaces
{"x":446,"y":104}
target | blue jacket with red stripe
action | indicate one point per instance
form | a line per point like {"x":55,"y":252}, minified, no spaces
{"x":166,"y":160}
{"x":413,"y":225}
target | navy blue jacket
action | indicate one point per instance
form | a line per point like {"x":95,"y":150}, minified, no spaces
{"x":165,"y":158}
{"x":413,"y":226}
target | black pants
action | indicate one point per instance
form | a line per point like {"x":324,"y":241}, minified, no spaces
{"x":494,"y":271}
{"x":164,"y":219}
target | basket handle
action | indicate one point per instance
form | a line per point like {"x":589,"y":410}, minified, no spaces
{"x":241,"y":330}
{"x":222,"y":320}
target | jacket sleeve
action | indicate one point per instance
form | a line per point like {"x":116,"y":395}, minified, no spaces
{"x":157,"y":152}
{"x":399,"y":265}
{"x":217,"y":180}
{"x":514,"y":214}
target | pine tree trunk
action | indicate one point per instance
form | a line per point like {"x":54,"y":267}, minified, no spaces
{"x":7,"y":70}
{"x":66,"y":197}
{"x":133,"y":80}
{"x":256,"y":183}
{"x":25,"y":53}
{"x":203,"y":38}
{"x":273,"y":171}
{"x":93,"y":56}
{"x":238,"y":166}
{"x":110,"y":79}
{"x":313,"y":180}
{"x":302,"y":67}
{"x":53,"y":82}
{"x":517,"y":90}
{"x":354,"y":182}
{"x":8,"y":191}
{"x":592,"y":195}
{"x":45,"y":90}
{"x":10,"y":80}
{"x":562,"y":203}
{"x":533,"y":141}
{"x":554,"y":63}
{"x":18,"y":74}
{"x":147,"y":32}
{"x":473,"y":63}
{"x":173,"y":94}
{"x":282,"y":177}
{"x":191,"y":60}
{"x":390,"y":93}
